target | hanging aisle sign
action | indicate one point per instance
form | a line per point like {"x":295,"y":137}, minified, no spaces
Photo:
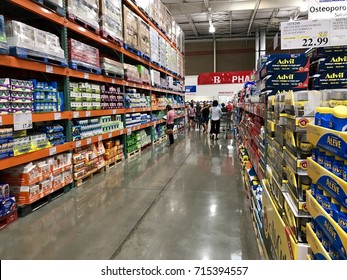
{"x":325,"y":9}
{"x":307,"y":34}
{"x":215,"y":78}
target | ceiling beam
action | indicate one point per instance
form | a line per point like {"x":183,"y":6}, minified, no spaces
{"x":256,"y":7}
{"x":192,"y":25}
{"x":273,"y":15}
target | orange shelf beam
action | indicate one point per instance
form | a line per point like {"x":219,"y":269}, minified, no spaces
{"x":14,"y":62}
{"x":96,"y":113}
{"x":137,"y":85}
{"x":137,"y":110}
{"x":22,"y":159}
{"x":155,"y":108}
{"x":39,"y":117}
{"x":97,"y":138}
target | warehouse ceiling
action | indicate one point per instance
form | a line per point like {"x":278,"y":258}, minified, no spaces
{"x":233,"y":18}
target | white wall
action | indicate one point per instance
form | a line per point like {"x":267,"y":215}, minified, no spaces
{"x":221,"y":92}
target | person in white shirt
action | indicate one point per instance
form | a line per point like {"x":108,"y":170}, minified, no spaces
{"x":216,"y":114}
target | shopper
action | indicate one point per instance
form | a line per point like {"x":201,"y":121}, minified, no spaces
{"x":170,"y":117}
{"x":216,"y":114}
{"x":205,"y":112}
{"x":229,"y":115}
{"x":198,"y":114}
{"x":191,"y":114}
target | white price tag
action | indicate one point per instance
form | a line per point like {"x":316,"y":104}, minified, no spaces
{"x":338,"y":31}
{"x":86,"y":76}
{"x":113,"y":81}
{"x":78,"y":144}
{"x":0,"y":120}
{"x":89,"y":141}
{"x":99,"y":138}
{"x":155,"y":123}
{"x":57,"y":116}
{"x":127,"y":84}
{"x":52,"y":151}
{"x":305,"y":34}
{"x":133,"y":110}
{"x":129,"y":131}
{"x":76,"y":115}
{"x":110,"y":135}
{"x":22,"y":121}
{"x":49,"y":69}
{"x":114,"y":112}
{"x":88,"y":114}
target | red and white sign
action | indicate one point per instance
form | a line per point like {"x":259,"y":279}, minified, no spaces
{"x":215,"y":78}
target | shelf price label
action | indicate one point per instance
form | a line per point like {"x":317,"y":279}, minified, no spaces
{"x":49,"y":69}
{"x":76,"y":115}
{"x":129,"y":131}
{"x":89,"y":141}
{"x":110,"y":135}
{"x":99,"y":138}
{"x":22,"y":121}
{"x":52,"y":151}
{"x":57,"y":116}
{"x":78,"y":144}
{"x":87,"y":113}
{"x":113,"y":81}
{"x":114,"y":112}
{"x":0,"y":121}
{"x":86,"y":76}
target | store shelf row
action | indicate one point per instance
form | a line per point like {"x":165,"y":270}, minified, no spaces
{"x":257,"y":109}
{"x":69,"y":115}
{"x":28,"y":157}
{"x":64,"y":22}
{"x":14,"y":62}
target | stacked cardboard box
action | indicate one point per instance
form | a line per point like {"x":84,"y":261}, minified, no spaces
{"x":111,"y":19}
{"x":131,"y":28}
{"x":86,"y":11}
{"x":144,"y":38}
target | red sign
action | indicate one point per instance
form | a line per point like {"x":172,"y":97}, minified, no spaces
{"x":215,"y":78}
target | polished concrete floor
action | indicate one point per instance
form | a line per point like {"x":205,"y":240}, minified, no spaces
{"x":184,"y":201}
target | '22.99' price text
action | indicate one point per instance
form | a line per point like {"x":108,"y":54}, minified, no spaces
{"x":234,"y":270}
{"x":320,"y":41}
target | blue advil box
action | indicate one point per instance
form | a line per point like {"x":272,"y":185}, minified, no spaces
{"x":326,"y":52}
{"x":330,"y":64}
{"x":285,"y":64}
{"x":285,"y":82}
{"x":330,"y":80}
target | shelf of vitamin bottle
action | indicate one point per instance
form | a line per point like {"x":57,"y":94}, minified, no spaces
{"x":137,"y":110}
{"x":328,"y":139}
{"x":137,"y":10}
{"x":97,"y":138}
{"x":25,"y":158}
{"x":38,"y":117}
{"x":315,"y":245}
{"x":336,"y":235}
{"x":334,"y":185}
{"x":96,"y":113}
{"x":257,"y":109}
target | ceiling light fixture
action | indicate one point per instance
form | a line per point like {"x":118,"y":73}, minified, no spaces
{"x":212,"y":29}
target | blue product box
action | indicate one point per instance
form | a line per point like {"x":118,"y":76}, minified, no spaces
{"x":285,"y":82}
{"x":330,"y":64}
{"x":327,"y":51}
{"x":3,"y":39}
{"x":291,"y":64}
{"x":8,"y":205}
{"x":330,"y":80}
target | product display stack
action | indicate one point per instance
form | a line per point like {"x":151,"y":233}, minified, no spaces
{"x":87,"y":160}
{"x":40,"y":180}
{"x":114,"y":152}
{"x":3,"y":39}
{"x":111,"y":98}
{"x":47,"y":98}
{"x":111,"y":68}
{"x":133,"y":144}
{"x":84,"y":12}
{"x":327,"y":168}
{"x":85,"y":96}
{"x":111,"y":20}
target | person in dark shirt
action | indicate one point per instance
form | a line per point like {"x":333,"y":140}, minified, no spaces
{"x":205,"y":112}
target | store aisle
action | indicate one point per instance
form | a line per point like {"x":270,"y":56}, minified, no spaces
{"x":180,"y":202}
